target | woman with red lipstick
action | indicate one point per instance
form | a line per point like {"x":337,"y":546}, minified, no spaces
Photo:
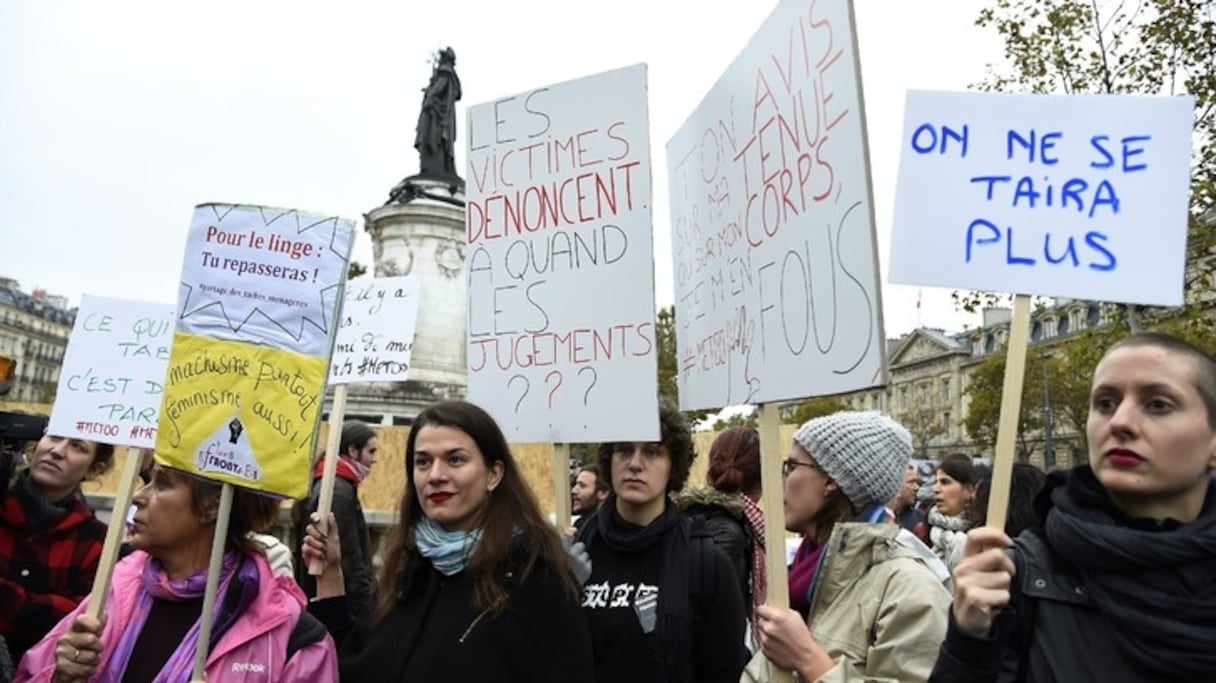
{"x":1117,"y":580}
{"x":475,"y":584}
{"x":50,"y":542}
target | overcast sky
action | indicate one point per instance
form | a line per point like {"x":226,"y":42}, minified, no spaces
{"x":116,"y":118}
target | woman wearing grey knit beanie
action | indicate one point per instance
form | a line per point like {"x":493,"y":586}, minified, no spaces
{"x":866,"y":606}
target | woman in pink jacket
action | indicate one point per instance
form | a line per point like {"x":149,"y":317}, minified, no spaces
{"x":260,"y":630}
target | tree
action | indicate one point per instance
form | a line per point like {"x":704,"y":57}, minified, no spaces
{"x":355,"y":269}
{"x":668,"y":363}
{"x":747,"y":418}
{"x":815,"y":407}
{"x":985,"y":389}
{"x":924,"y":423}
{"x":1155,"y":47}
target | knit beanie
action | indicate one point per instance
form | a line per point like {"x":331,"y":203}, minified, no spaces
{"x":865,"y":453}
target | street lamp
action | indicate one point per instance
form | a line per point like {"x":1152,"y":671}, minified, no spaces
{"x":1049,"y":453}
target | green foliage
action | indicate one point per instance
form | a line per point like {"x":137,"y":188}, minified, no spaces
{"x":984,"y":390}
{"x":813,"y":408}
{"x":668,"y":363}
{"x":748,"y":418}
{"x":1153,"y":47}
{"x":355,"y":269}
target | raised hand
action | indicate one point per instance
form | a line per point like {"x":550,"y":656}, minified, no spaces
{"x":982,"y":580}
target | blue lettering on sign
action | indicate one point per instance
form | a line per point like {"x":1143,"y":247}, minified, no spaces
{"x":926,"y":138}
{"x":983,"y":233}
{"x":1086,"y":197}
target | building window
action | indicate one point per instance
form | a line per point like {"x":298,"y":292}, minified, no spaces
{"x":946,"y":390}
{"x":948,"y":424}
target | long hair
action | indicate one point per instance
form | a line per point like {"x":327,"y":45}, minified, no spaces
{"x":514,"y":533}
{"x":354,"y":433}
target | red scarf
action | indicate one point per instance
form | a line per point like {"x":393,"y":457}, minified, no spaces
{"x":346,"y":469}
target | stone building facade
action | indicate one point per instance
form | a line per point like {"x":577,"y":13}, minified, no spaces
{"x":34,"y":330}
{"x":929,"y":371}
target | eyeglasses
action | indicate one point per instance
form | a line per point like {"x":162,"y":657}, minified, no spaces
{"x":787,"y":466}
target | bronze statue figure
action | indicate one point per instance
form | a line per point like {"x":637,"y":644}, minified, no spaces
{"x":436,"y":136}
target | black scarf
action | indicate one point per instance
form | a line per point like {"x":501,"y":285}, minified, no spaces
{"x":1154,"y":581}
{"x":673,"y":627}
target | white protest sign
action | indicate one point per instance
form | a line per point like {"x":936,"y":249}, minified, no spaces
{"x":560,"y":261}
{"x":776,"y":271}
{"x":113,"y":373}
{"x":1082,"y":196}
{"x":375,"y":330}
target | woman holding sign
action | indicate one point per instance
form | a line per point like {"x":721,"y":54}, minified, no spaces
{"x":50,"y":542}
{"x":260,"y":631}
{"x":1116,"y":580}
{"x":868,"y":598}
{"x":475,"y":584}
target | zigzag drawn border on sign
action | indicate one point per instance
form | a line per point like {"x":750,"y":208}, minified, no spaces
{"x":297,"y":336}
{"x":323,"y":327}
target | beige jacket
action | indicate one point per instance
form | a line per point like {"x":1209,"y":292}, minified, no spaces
{"x":877,"y":610}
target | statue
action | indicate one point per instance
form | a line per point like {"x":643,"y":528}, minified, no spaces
{"x":436,"y":136}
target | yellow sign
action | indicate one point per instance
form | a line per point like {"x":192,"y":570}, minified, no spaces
{"x":241,"y":413}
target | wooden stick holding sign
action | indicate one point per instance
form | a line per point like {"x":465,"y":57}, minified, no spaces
{"x":334,"y":441}
{"x":1011,"y":406}
{"x":561,"y":486}
{"x":114,"y":534}
{"x":218,"y":542}
{"x":771,"y":501}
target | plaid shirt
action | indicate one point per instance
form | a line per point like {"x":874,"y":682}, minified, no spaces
{"x":45,"y":570}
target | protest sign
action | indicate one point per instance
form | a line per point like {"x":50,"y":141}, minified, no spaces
{"x":776,"y":272}
{"x":375,"y":330}
{"x":250,"y":355}
{"x":111,"y":380}
{"x":1080,"y":196}
{"x":560,"y":261}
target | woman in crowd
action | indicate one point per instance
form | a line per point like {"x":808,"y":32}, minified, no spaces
{"x":865,"y":607}
{"x":259,"y":632}
{"x":358,"y":450}
{"x":1114,"y":581}
{"x":954,"y":511}
{"x":50,"y":542}
{"x":663,"y":604}
{"x":475,"y":584}
{"x":729,"y":511}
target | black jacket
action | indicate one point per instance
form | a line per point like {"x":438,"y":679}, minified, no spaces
{"x":357,"y":572}
{"x":721,"y":516}
{"x":434,"y":634}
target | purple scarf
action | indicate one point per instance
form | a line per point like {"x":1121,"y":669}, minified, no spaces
{"x":802,"y":575}
{"x":157,"y":586}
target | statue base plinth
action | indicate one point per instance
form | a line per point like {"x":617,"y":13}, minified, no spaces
{"x":428,"y":187}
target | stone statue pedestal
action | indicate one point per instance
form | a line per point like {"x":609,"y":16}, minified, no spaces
{"x":423,"y":236}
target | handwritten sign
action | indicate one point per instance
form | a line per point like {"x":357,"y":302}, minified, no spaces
{"x":776,"y":274}
{"x":250,"y":355}
{"x":112,"y":378}
{"x":560,"y":261}
{"x":1081,"y":196}
{"x":375,"y":330}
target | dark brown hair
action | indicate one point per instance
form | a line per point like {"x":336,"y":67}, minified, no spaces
{"x":675,"y":434}
{"x":512,"y":525}
{"x":251,"y":511}
{"x":603,"y":483}
{"x":734,"y":461}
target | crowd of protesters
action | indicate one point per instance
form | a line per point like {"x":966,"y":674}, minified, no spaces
{"x":1102,"y":572}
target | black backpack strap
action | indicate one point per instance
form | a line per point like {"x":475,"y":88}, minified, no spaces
{"x":702,"y":581}
{"x":308,"y":630}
